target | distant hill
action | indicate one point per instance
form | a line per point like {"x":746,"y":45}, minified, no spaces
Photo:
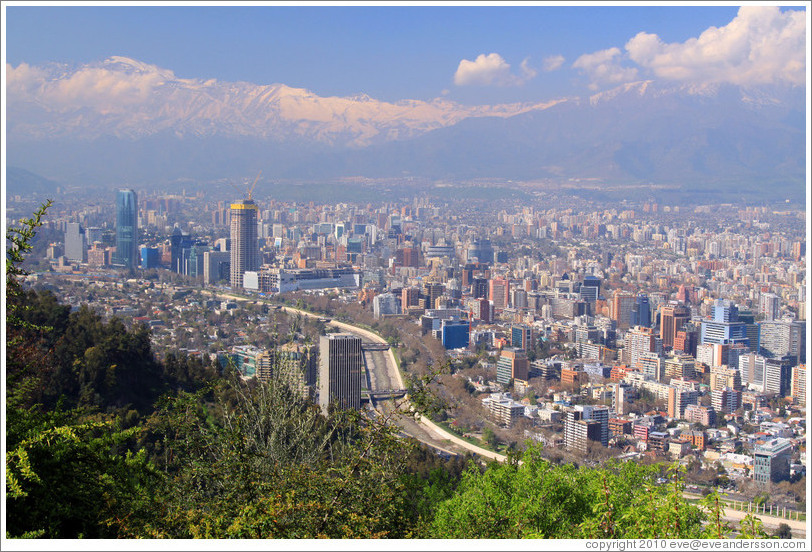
{"x":22,"y":182}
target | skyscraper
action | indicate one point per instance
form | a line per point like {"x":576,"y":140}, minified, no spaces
{"x":341,"y":364}
{"x":244,"y":247}
{"x":127,"y":229}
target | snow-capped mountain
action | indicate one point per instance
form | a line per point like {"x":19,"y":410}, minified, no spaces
{"x":127,"y":98}
{"x":127,"y":120}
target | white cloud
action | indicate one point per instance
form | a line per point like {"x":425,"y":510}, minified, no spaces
{"x":94,"y":87}
{"x":760,"y":45}
{"x":604,"y":67}
{"x":527,"y":71}
{"x":551,"y":63}
{"x":491,"y":69}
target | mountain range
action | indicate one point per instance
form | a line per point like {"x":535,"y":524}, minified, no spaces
{"x":122,"y":120}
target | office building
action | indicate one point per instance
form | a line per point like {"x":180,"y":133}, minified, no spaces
{"x":216,"y":266}
{"x":75,"y":243}
{"x":150,"y":257}
{"x":479,"y":288}
{"x":521,"y":337}
{"x":341,"y":367}
{"x":798,"y":385}
{"x":724,"y":327}
{"x":778,"y":375}
{"x":641,"y":312}
{"x":385,"y":304}
{"x":244,"y":246}
{"x":431,"y":291}
{"x":126,"y":229}
{"x":751,"y":369}
{"x":455,"y":334}
{"x":673,"y":317}
{"x":512,"y":364}
{"x":771,"y":461}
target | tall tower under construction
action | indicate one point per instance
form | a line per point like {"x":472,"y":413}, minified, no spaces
{"x":244,"y":247}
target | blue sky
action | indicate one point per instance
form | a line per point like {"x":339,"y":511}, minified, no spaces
{"x":389,"y":53}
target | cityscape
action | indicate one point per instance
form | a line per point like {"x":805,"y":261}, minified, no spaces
{"x":410,"y":337}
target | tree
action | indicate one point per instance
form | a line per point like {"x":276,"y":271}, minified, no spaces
{"x":783,"y":532}
{"x":530,"y":500}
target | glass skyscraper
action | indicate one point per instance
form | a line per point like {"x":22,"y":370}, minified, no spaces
{"x":127,"y":229}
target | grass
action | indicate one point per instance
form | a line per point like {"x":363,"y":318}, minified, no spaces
{"x":472,"y":440}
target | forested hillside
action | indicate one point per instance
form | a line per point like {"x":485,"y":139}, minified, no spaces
{"x":105,"y":441}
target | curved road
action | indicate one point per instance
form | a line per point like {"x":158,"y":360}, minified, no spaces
{"x":383,"y":374}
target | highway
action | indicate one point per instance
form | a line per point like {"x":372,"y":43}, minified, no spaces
{"x":382,"y":374}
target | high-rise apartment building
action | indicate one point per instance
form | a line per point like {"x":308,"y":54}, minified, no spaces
{"x":780,"y":338}
{"x":127,"y":229}
{"x":641,"y":340}
{"x":499,"y":293}
{"x":769,"y":306}
{"x":621,"y":308}
{"x":726,"y":400}
{"x":341,"y":365}
{"x":798,"y":385}
{"x":410,"y":297}
{"x":244,"y":246}
{"x":586,"y":423}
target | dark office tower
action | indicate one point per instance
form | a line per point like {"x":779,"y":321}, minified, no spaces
{"x":341,"y":364}
{"x":479,"y":288}
{"x":127,"y":229}
{"x":642,"y":311}
{"x":175,"y":241}
{"x":431,"y":291}
{"x":591,"y":288}
{"x":244,"y":247}
{"x":672,"y":317}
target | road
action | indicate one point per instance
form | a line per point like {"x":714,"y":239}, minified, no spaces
{"x":383,"y":374}
{"x":770,"y":523}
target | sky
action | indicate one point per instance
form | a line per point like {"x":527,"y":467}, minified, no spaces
{"x":473,"y":55}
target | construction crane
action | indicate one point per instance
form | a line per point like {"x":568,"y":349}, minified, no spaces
{"x":249,"y":190}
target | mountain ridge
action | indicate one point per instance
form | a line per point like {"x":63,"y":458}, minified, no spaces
{"x":148,"y":125}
